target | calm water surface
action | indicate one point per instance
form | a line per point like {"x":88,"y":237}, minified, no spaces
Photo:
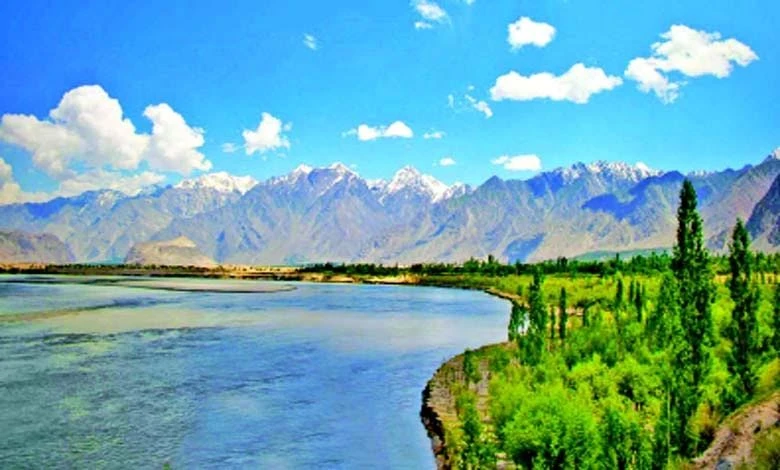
{"x":325,"y":376}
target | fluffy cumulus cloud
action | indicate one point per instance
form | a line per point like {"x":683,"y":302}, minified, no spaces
{"x":87,"y":129}
{"x":525,"y":32}
{"x":10,"y":191}
{"x":268,"y":136}
{"x":86,"y":141}
{"x":577,"y":84}
{"x":528,"y":162}
{"x":173,"y":145}
{"x":690,"y":53}
{"x":310,"y":41}
{"x":398,"y":129}
{"x":447,"y":161}
{"x":430,"y":14}
{"x":434,"y":135}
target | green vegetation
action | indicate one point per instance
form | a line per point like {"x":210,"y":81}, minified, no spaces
{"x":742,"y":330}
{"x":636,"y":378}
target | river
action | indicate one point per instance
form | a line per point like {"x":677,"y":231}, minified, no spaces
{"x":120,"y":375}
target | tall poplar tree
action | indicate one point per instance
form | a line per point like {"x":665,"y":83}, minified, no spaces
{"x":742,"y":330}
{"x":639,"y":301}
{"x":516,"y":321}
{"x":691,"y":267}
{"x":563,"y":314}
{"x":534,"y":339}
{"x":619,"y":294}
{"x":776,"y":319}
{"x":692,"y":271}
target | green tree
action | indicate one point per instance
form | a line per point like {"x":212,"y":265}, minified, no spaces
{"x":534,"y":339}
{"x":691,"y":269}
{"x":553,"y":428}
{"x":619,"y":295}
{"x":477,"y":452}
{"x":660,"y":321}
{"x":639,"y":301}
{"x":563,"y":314}
{"x":776,"y":319}
{"x":743,"y":329}
{"x":517,"y":318}
{"x":552,"y":324}
{"x":471,"y":367}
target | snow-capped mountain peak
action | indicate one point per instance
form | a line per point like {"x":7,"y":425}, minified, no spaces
{"x":302,"y":169}
{"x":620,"y":170}
{"x":410,"y":178}
{"x":457,"y":189}
{"x":341,"y":168}
{"x":220,"y":181}
{"x":299,"y":172}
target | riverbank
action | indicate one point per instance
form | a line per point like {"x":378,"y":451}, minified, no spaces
{"x":439,"y":412}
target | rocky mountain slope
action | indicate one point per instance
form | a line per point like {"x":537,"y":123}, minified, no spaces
{"x":764,"y":222}
{"x":177,"y":252}
{"x":332,"y":214}
{"x":21,"y":247}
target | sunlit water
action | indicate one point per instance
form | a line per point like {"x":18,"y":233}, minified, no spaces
{"x":325,"y":376}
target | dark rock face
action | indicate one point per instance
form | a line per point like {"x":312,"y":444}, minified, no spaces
{"x":764,"y":222}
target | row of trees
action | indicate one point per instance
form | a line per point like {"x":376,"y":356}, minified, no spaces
{"x":647,"y":264}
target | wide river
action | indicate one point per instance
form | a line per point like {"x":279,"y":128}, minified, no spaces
{"x":124,"y":375}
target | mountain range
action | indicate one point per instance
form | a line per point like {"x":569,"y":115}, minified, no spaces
{"x":332,"y":214}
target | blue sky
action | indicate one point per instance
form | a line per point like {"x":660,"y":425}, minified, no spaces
{"x":217,"y":69}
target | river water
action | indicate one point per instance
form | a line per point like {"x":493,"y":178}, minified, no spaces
{"x":103,"y":375}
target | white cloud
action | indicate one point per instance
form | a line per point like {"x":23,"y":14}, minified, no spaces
{"x":578,"y":84}
{"x":447,"y":161}
{"x":268,"y":136}
{"x":519,"y":162}
{"x":173,"y":144}
{"x":434,"y":135}
{"x":310,"y":41}
{"x":365,"y":132}
{"x":87,"y":132}
{"x":526,"y":31}
{"x":470,"y":2}
{"x":86,"y":127}
{"x":10,"y":191}
{"x":430,"y":12}
{"x":690,"y":53}
{"x":480,"y":105}
{"x":6,"y":172}
{"x":469,"y":103}
{"x":229,"y":147}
